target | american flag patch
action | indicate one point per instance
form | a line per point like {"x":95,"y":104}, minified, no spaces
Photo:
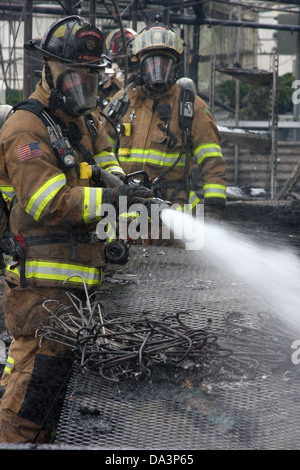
{"x":29,"y":151}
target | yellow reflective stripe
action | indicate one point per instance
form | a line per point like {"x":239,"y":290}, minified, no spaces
{"x":193,"y":200}
{"x":8,"y":192}
{"x":92,"y":199}
{"x":105,"y":158}
{"x":115,"y":169}
{"x":9,"y":365}
{"x":214,"y":190}
{"x":111,"y":234}
{"x":53,"y":271}
{"x":129,"y":215}
{"x":167,"y":159}
{"x":209,"y":186}
{"x":112,"y":140}
{"x":108,"y":161}
{"x":150,"y":156}
{"x":44,"y":194}
{"x":222,"y":196}
{"x":207,"y":150}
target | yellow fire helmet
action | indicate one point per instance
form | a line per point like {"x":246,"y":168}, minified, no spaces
{"x":157,"y":36}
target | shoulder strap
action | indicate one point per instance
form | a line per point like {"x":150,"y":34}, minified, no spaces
{"x":44,"y":113}
{"x":90,"y":123}
{"x":72,"y":132}
{"x":35,"y":107}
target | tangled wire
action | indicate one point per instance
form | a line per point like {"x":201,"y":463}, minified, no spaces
{"x":114,"y":348}
{"x":118,"y":347}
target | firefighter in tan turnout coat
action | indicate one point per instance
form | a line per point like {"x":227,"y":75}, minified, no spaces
{"x":153,"y":134}
{"x":54,"y":213}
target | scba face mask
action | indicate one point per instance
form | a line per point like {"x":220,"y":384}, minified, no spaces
{"x":158,"y":72}
{"x":79,"y":87}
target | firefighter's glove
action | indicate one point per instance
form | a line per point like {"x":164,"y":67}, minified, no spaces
{"x":135,"y":194}
{"x":213,"y":213}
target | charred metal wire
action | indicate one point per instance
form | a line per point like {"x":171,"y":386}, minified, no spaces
{"x":142,"y":343}
{"x":117,"y":348}
{"x":252,"y":346}
{"x":120,"y":347}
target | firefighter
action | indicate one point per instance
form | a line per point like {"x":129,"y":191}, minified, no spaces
{"x":162,"y":133}
{"x":114,"y":82}
{"x":54,"y":213}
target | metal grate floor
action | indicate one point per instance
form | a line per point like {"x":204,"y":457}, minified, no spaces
{"x":250,"y":403}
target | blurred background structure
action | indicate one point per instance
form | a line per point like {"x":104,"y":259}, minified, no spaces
{"x":243,"y":57}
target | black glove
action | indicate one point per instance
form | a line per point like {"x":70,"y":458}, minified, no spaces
{"x":135,"y":194}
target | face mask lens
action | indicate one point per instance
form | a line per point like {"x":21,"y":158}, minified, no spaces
{"x":80,"y":89}
{"x":158,"y":72}
{"x":75,"y":79}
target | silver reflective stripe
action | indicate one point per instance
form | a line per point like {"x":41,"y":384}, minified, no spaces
{"x":92,"y":199}
{"x":193,"y":200}
{"x":207,"y":150}
{"x":215,"y":190}
{"x":104,"y":158}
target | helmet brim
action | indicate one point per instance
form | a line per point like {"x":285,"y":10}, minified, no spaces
{"x":95,"y":64}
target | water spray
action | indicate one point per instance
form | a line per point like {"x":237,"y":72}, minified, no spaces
{"x":273,"y":273}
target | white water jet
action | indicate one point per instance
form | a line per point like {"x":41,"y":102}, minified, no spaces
{"x":274,"y":273}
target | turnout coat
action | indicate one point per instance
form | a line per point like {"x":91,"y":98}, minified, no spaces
{"x":154,"y":143}
{"x":53,"y":211}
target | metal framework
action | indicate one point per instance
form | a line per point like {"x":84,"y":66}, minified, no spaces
{"x":178,"y":13}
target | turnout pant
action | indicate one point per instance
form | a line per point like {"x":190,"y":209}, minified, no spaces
{"x":36,"y":374}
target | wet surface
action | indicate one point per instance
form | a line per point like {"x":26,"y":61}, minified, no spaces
{"x":247,"y":400}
